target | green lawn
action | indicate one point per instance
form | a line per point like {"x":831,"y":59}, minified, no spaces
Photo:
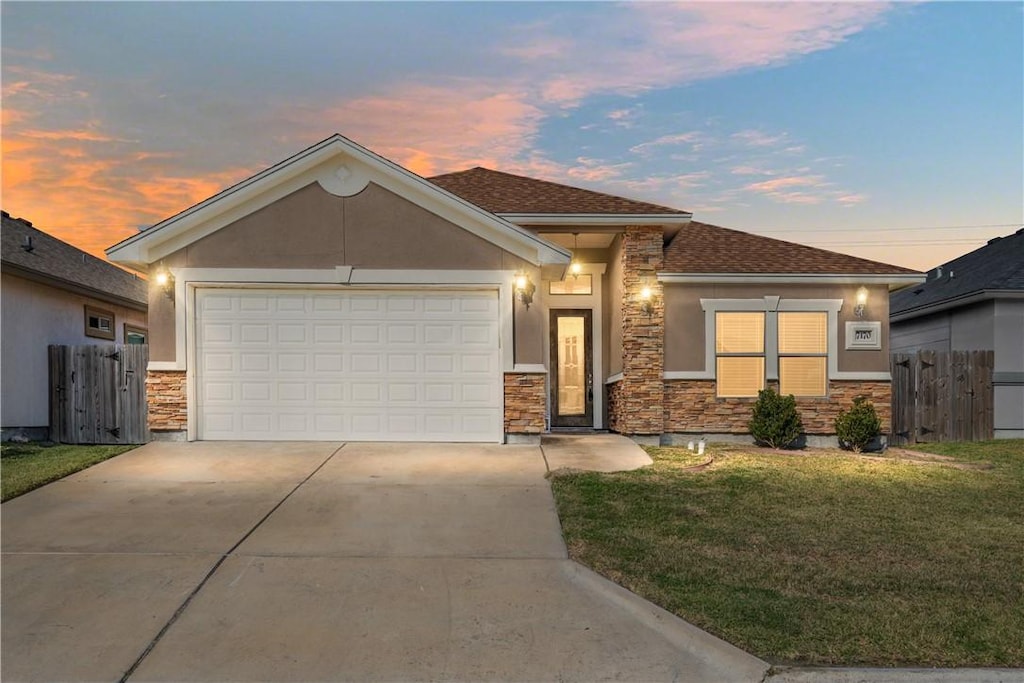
{"x":820,"y":557}
{"x":24,"y":467}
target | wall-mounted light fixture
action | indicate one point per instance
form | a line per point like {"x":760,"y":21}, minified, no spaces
{"x":647,"y":300}
{"x":524,"y":288}
{"x":165,"y":280}
{"x":862,"y":302}
{"x":575,"y":267}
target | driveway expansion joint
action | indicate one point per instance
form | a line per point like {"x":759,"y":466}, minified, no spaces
{"x":213,"y":570}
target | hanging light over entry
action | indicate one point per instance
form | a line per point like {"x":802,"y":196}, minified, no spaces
{"x":575,"y":267}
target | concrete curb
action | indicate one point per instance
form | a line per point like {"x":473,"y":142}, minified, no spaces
{"x":855,"y":675}
{"x":741,"y":665}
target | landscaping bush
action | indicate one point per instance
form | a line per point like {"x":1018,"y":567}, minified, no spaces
{"x":776,"y":422}
{"x":857,"y":427}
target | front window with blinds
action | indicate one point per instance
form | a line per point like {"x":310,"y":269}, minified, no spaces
{"x":739,"y":351}
{"x":803,"y":353}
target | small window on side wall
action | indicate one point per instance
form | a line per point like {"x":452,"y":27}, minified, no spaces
{"x":134,"y":335}
{"x":579,"y":284}
{"x":99,"y":323}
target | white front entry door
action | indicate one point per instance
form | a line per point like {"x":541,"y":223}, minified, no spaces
{"x":354,"y":365}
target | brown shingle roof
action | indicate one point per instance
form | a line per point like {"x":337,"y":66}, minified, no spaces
{"x":500,"y":192}
{"x":704,"y":248}
{"x":63,"y":265}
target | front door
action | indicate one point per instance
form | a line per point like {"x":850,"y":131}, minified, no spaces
{"x":572,"y":379}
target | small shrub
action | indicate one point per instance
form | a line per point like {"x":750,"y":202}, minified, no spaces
{"x":776,"y":422}
{"x":857,"y":427}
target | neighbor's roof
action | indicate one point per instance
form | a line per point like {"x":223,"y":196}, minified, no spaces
{"x":996,"y":267}
{"x":505,"y":193}
{"x":704,"y":248}
{"x":59,"y":264}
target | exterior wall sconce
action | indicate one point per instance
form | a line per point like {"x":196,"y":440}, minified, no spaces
{"x":862,"y":302}
{"x":524,"y":289}
{"x":165,"y":280}
{"x":647,"y":301}
{"x":575,"y":268}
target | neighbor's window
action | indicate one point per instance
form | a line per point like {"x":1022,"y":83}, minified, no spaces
{"x":99,"y":323}
{"x":581,"y":284}
{"x":134,"y":335}
{"x":739,"y":351}
{"x":803,"y":353}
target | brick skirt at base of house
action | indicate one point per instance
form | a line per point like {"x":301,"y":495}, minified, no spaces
{"x":691,"y":407}
{"x":167,"y":402}
{"x":525,"y":405}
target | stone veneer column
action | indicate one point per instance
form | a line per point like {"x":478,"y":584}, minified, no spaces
{"x":167,"y":400}
{"x":640,"y":393}
{"x":525,"y":403}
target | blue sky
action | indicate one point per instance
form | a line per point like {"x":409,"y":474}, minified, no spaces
{"x":892,"y":132}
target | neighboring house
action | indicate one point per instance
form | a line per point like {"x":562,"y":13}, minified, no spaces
{"x":975,"y":302}
{"x":339,"y":296}
{"x":54,"y":293}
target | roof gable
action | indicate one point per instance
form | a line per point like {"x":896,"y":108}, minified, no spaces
{"x":996,"y":267}
{"x":61,"y":264}
{"x":701,"y":248}
{"x":342,"y":168}
{"x":505,"y":193}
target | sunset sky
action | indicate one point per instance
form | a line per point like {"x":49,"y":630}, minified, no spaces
{"x":893,"y":132}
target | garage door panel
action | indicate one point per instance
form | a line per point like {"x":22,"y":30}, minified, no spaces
{"x":348,"y":365}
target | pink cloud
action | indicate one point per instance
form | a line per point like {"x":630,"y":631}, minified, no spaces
{"x":749,"y":170}
{"x":431,"y":129}
{"x":696,"y":140}
{"x":756,"y":138}
{"x":642,"y":46}
{"x":777,"y":184}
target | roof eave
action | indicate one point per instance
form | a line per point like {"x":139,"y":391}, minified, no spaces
{"x":597,"y":219}
{"x":73,"y":287}
{"x":893,"y":280}
{"x":974,"y":297}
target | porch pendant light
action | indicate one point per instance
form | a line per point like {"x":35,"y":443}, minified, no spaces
{"x":575,"y":267}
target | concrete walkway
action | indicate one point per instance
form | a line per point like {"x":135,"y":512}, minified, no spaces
{"x":596,"y":452}
{"x":318,"y":561}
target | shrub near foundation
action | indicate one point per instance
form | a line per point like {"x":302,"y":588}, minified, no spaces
{"x":775,"y":422}
{"x":857,"y":427}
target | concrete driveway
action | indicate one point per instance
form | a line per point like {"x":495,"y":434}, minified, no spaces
{"x":322,"y":561}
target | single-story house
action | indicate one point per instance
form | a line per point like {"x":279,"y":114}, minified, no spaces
{"x":973,"y":303}
{"x":337,"y":295}
{"x":54,"y":293}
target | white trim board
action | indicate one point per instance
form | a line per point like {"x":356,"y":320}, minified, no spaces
{"x":186,"y":280}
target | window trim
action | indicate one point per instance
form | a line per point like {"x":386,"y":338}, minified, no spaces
{"x":772,"y":305}
{"x":96,"y":332}
{"x":134,"y":329}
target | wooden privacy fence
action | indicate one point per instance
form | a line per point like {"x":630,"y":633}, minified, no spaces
{"x":941,"y":396}
{"x":98,"y":394}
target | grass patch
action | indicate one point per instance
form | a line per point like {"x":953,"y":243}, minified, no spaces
{"x":24,"y":467}
{"x":821,"y":558}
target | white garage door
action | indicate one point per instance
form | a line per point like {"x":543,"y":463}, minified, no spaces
{"x":348,"y":365}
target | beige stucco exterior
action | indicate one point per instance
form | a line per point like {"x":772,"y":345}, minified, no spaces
{"x":376,"y":228}
{"x":685,"y":330}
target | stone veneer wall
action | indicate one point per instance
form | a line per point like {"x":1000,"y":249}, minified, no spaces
{"x":691,"y":407}
{"x":525,"y":403}
{"x":167,"y":400}
{"x":612,"y":402}
{"x":636,"y":404}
